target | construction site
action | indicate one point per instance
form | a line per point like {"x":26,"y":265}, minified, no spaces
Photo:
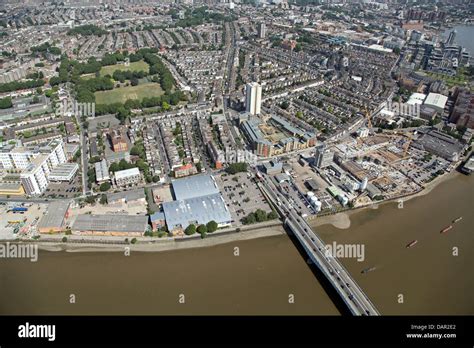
{"x":365,"y":167}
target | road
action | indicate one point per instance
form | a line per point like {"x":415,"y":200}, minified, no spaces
{"x":84,"y":158}
{"x":230,"y":70}
{"x":350,"y":292}
{"x":30,"y":200}
{"x":183,"y":84}
{"x":163,"y":153}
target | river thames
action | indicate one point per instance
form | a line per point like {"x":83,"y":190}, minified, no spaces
{"x":270,"y":275}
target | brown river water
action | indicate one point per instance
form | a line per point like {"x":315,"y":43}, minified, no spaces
{"x":270,"y":275}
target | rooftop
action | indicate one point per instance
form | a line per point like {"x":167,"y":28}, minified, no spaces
{"x":111,"y":223}
{"x":101,"y":170}
{"x":131,"y":195}
{"x":194,"y":186}
{"x":35,"y":163}
{"x":126,"y":173}
{"x":252,"y":130}
{"x":64,"y":169}
{"x":54,"y":217}
{"x":437,"y":100}
{"x":433,"y":140}
{"x":197,"y":210}
{"x":157,"y":216}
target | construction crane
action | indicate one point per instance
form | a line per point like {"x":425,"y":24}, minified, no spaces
{"x":407,"y":144}
{"x":367,"y":115}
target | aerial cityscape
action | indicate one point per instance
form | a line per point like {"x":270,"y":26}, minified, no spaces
{"x":235,"y":157}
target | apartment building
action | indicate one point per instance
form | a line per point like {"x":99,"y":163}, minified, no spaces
{"x":35,"y":164}
{"x":253,"y":98}
{"x":118,"y":140}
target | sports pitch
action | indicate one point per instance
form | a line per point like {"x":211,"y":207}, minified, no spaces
{"x":122,"y":94}
{"x":135,"y":66}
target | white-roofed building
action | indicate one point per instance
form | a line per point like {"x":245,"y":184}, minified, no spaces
{"x":101,"y":171}
{"x":436,"y":101}
{"x":416,"y":98}
{"x":127,"y":177}
{"x":194,"y":186}
{"x":64,"y":172}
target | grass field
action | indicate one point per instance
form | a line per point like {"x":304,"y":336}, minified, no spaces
{"x":460,"y":79}
{"x":87,"y":76}
{"x":135,"y":66}
{"x":120,"y":95}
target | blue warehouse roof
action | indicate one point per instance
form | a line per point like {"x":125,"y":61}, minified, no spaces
{"x":194,"y":186}
{"x":196,"y":210}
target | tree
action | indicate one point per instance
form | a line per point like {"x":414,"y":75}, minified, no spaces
{"x":234,"y":168}
{"x":249,"y":219}
{"x":6,"y":103}
{"x":190,"y":230}
{"x":114,"y":167}
{"x":94,"y":159}
{"x":133,"y":241}
{"x":211,"y":226}
{"x":87,"y":30}
{"x":285,"y":105}
{"x":272,"y":215}
{"x":135,"y":150}
{"x":90,"y":199}
{"x":64,"y":240}
{"x":260,"y":215}
{"x":103,"y":199}
{"x":202,"y":229}
{"x":105,"y":186}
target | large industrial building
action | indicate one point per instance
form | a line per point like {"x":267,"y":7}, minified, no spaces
{"x":110,"y":225}
{"x":436,"y":101}
{"x":54,"y":219}
{"x":439,"y":144}
{"x":131,"y":196}
{"x":195,"y":186}
{"x":197,"y":201}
